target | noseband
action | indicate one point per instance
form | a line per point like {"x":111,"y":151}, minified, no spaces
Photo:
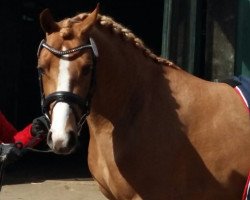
{"x":65,"y":96}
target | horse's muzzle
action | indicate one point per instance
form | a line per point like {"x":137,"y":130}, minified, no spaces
{"x":61,"y":146}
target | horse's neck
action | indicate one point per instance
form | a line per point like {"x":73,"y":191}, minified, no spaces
{"x":125,"y":76}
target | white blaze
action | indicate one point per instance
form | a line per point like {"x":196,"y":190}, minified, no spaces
{"x":61,"y":110}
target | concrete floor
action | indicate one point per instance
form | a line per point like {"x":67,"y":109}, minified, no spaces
{"x":46,"y":176}
{"x":53,"y":190}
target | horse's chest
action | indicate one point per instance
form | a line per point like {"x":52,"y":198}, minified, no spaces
{"x":106,"y":173}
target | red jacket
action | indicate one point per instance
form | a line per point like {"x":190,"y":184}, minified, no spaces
{"x":8,"y":134}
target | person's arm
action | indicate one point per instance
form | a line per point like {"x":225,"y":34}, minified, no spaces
{"x":14,"y":141}
{"x":24,"y":136}
{"x":34,"y":133}
{"x":30,"y":136}
{"x":8,"y":134}
{"x":7,"y":130}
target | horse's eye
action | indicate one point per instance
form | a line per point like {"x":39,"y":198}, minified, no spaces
{"x":87,"y":69}
{"x":40,"y":70}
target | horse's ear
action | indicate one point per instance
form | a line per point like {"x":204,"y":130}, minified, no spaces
{"x":47,"y":22}
{"x":89,"y":21}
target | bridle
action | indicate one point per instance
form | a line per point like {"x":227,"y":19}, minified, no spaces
{"x":65,"y":96}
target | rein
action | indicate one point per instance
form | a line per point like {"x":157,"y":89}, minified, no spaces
{"x":65,"y":96}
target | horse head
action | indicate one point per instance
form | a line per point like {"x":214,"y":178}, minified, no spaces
{"x":66,"y":65}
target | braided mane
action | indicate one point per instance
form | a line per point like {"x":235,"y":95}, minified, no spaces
{"x":118,"y":29}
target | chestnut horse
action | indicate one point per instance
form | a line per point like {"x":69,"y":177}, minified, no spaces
{"x":156,"y":132}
